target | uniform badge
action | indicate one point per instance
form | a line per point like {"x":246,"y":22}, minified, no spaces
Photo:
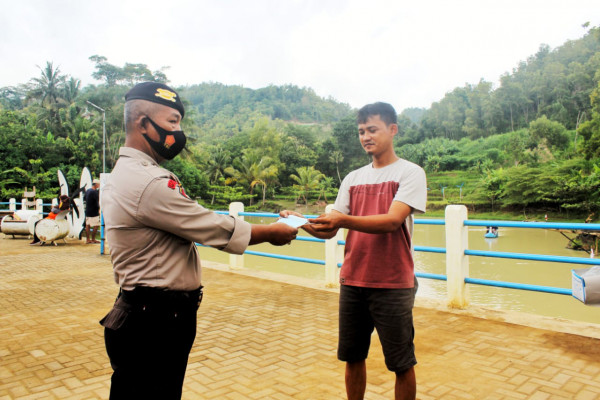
{"x":173,"y":184}
{"x":166,"y":94}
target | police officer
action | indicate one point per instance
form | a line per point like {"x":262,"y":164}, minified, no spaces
{"x":151,"y":227}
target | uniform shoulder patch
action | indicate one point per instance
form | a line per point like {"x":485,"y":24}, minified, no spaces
{"x":173,"y":184}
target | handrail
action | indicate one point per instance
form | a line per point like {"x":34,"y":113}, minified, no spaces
{"x":427,"y":275}
{"x":429,"y":221}
{"x":539,"y":225}
{"x":533,"y":257}
{"x":521,"y":286}
{"x":429,"y":249}
{"x":284,"y":257}
{"x":309,"y":239}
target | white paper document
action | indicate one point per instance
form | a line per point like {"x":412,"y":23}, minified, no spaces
{"x":293,"y":221}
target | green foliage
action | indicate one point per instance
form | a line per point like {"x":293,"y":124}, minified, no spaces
{"x":222,"y":195}
{"x":307,"y":179}
{"x":353,"y":156}
{"x":231,"y":106}
{"x":194,"y":180}
{"x":550,"y":133}
{"x":590,"y":130}
{"x":129,"y":74}
{"x":556,"y":83}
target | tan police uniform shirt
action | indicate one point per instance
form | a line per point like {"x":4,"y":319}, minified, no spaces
{"x":151,"y":226}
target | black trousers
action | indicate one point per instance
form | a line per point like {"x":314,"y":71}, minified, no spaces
{"x":148,"y":335}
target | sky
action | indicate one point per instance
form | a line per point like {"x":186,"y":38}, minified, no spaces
{"x":407,"y":53}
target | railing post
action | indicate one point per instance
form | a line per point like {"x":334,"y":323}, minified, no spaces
{"x":236,"y":261}
{"x":23,"y":204}
{"x":12,"y":206}
{"x":331,"y":256}
{"x":39,"y":206}
{"x":457,"y":263}
{"x":102,"y":233}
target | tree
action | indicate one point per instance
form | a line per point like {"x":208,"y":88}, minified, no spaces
{"x":13,"y":97}
{"x":325,"y":187}
{"x":250,"y":171}
{"x":551,"y":133}
{"x":47,"y":88}
{"x":70,"y":90}
{"x":307,"y":179}
{"x":590,"y":130}
{"x":345,"y":133}
{"x":129,"y":74}
{"x":294,"y":154}
{"x":337,"y":158}
{"x":218,"y":162}
{"x":109,"y":73}
{"x":492,"y":184}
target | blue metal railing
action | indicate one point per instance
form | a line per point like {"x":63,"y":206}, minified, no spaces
{"x":477,"y":253}
{"x":284,"y":257}
{"x":538,"y":225}
{"x":533,"y":257}
{"x":521,"y":286}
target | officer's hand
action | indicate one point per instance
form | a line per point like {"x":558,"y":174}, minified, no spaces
{"x":277,"y":234}
{"x":282,"y":234}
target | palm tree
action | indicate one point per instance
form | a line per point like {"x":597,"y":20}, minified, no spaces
{"x":46,"y":90}
{"x":48,"y":86}
{"x":251,"y":171}
{"x":308,"y":179}
{"x":70,"y":90}
{"x":217,"y":163}
{"x":266,"y":174}
{"x":337,"y":157}
{"x":219,"y":158}
{"x":325,"y":184}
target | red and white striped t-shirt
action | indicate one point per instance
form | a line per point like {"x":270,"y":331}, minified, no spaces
{"x":381,"y":260}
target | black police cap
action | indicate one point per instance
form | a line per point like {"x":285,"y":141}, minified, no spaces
{"x":156,"y":93}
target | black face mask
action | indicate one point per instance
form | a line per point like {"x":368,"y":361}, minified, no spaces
{"x":171,"y":142}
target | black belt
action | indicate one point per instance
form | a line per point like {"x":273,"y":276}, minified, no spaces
{"x":143,"y":295}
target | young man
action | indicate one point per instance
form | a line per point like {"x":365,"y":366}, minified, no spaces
{"x":376,"y":204}
{"x":152,"y":227}
{"x":92,"y":212}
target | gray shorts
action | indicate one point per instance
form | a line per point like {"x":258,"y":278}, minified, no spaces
{"x":387,"y":310}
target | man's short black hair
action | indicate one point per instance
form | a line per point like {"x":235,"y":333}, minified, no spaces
{"x":385,"y":111}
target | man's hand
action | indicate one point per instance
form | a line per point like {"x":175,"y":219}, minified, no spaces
{"x":379,"y":223}
{"x":327,"y":222}
{"x":311,"y":228}
{"x":277,"y":234}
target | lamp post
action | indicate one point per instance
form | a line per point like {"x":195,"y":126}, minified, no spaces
{"x":103,"y":134}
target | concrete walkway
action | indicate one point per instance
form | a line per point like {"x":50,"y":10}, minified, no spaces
{"x":263,"y":339}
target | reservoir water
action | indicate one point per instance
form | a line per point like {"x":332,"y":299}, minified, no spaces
{"x":516,"y":240}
